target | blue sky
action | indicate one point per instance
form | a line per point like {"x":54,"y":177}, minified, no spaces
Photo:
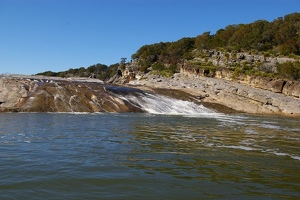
{"x":56,"y":35}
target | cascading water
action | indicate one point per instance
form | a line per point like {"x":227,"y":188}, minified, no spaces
{"x":159,"y":104}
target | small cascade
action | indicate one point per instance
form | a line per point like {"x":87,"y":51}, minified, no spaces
{"x":69,"y":97}
{"x":159,"y":104}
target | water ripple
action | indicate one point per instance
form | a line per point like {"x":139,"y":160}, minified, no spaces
{"x":144,"y":156}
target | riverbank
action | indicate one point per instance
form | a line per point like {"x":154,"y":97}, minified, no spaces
{"x":49,"y":94}
{"x":236,"y":96}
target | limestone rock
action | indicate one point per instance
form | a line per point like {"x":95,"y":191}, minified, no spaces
{"x":30,"y":95}
{"x":234,"y":95}
{"x":277,"y":85}
{"x":292,"y":88}
{"x":11,"y":92}
{"x":19,"y":94}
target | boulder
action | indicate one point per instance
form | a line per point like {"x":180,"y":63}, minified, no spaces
{"x":277,"y":86}
{"x":11,"y":91}
{"x":292,"y":88}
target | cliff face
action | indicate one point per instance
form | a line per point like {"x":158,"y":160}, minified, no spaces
{"x":48,"y":95}
{"x":287,"y":87}
{"x":232,"y":60}
{"x":224,"y":65}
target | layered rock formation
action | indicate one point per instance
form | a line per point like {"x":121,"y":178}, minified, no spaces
{"x":234,"y":95}
{"x":287,"y":87}
{"x":32,"y":94}
{"x":35,"y":94}
{"x":225,"y":63}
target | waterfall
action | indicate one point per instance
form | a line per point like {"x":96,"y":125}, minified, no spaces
{"x":159,"y":104}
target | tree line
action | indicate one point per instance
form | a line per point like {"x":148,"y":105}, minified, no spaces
{"x":99,"y":71}
{"x":279,"y":37}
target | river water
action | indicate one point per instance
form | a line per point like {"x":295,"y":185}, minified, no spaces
{"x":148,"y":156}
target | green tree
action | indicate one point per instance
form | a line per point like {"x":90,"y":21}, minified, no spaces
{"x":203,"y":41}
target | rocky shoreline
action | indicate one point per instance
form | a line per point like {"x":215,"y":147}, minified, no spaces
{"x":237,"y":96}
{"x":20,"y":93}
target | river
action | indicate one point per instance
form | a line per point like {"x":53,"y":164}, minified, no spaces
{"x":148,"y":156}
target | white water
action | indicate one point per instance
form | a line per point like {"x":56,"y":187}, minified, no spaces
{"x":159,"y":104}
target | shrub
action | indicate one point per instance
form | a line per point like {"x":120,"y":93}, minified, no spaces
{"x":158,"y":66}
{"x":167,"y":73}
{"x":144,"y":69}
{"x":289,"y":70}
{"x":237,"y":71}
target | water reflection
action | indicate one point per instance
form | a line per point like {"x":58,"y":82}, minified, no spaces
{"x":142,"y":156}
{"x":232,"y":151}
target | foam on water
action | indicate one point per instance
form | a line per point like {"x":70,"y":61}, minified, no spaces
{"x":296,"y":157}
{"x":269,"y":151}
{"x":240,"y":147}
{"x":86,"y":155}
{"x":159,"y":104}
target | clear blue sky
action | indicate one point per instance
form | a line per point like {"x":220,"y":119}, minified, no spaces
{"x":55,"y":35}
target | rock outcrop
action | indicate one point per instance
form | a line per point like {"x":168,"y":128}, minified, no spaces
{"x":30,"y":94}
{"x":223,"y":59}
{"x":14,"y":92}
{"x":231,"y":94}
{"x":289,"y":88}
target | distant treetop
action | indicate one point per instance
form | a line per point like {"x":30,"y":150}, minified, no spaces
{"x":281,"y":36}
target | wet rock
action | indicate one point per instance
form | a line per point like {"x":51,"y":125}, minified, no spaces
{"x":60,"y":96}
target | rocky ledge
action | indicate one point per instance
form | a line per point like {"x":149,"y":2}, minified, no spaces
{"x":234,"y":95}
{"x":46,"y":94}
{"x":51,"y":94}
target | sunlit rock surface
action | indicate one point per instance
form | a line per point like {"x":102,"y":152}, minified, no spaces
{"x":230,"y":94}
{"x":59,"y":95}
{"x":49,"y":94}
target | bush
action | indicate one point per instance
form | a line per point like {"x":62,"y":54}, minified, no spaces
{"x":289,"y":70}
{"x":237,"y":71}
{"x":158,"y":66}
{"x":167,"y":73}
{"x":144,"y":69}
{"x":173,"y":69}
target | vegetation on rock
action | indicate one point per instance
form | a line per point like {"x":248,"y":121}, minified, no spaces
{"x":289,"y":70}
{"x":245,"y":49}
{"x":261,"y":38}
